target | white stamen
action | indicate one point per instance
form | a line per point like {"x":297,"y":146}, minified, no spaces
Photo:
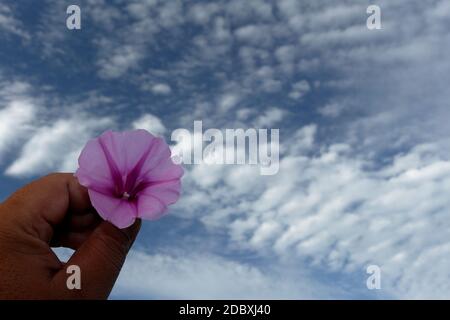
{"x":126,"y":196}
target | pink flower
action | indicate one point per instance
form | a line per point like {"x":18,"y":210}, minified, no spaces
{"x":129,"y":175}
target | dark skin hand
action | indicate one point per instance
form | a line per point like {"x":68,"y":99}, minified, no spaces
{"x":51,"y":212}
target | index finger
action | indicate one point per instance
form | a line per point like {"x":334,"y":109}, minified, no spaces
{"x":44,"y":203}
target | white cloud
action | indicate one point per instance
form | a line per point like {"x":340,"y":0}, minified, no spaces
{"x":18,"y":113}
{"x":286,"y":54}
{"x":11,"y":90}
{"x":55,"y":147}
{"x":289,"y":7}
{"x":202,"y":13}
{"x":352,"y":35}
{"x":17,"y":122}
{"x":328,"y":207}
{"x":303,"y":140}
{"x":254,"y":34}
{"x":338,"y":16}
{"x":118,"y":62}
{"x":242,"y":11}
{"x":161,"y":89}
{"x":270,"y":117}
{"x":244,"y":113}
{"x":299,"y":90}
{"x":331,"y":110}
{"x":150,"y":123}
{"x":205,"y":276}
{"x":10,"y":24}
{"x":103,"y":14}
{"x":228,"y":101}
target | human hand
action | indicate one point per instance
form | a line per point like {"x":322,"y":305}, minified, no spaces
{"x":56,"y":211}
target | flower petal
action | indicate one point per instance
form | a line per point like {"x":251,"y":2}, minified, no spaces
{"x":119,"y":212}
{"x":168,"y":191}
{"x":154,"y":199}
{"x":165,"y":171}
{"x":160,"y":152}
{"x":150,"y":207}
{"x":93,"y":171}
{"x":127,"y":148}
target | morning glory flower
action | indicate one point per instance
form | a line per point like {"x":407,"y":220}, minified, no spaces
{"x":129,"y":175}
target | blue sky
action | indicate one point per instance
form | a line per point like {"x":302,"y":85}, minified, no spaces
{"x":363,"y":116}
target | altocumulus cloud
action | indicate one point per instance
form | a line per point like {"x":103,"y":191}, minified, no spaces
{"x":333,"y":210}
{"x":207,"y":276}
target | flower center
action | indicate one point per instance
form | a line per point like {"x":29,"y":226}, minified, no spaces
{"x":126,"y":196}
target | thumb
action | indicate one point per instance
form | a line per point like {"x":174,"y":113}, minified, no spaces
{"x":100,"y":259}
